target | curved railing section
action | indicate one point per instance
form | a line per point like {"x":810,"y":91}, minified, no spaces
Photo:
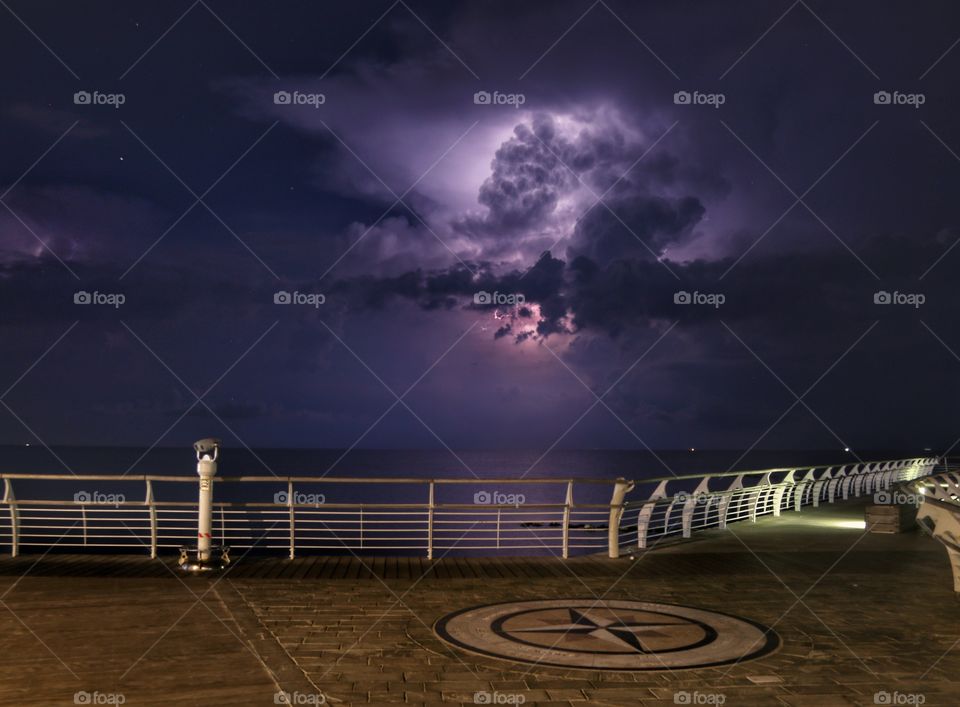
{"x":302,"y":514}
{"x":679,"y":506}
{"x":938,"y":497}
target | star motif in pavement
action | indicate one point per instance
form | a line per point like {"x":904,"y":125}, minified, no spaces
{"x":617,"y":631}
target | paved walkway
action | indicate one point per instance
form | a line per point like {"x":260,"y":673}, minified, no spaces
{"x":858,"y":614}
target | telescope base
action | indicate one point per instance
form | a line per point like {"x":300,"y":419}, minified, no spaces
{"x":190,"y":560}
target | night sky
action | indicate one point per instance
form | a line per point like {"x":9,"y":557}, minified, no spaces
{"x":812,"y":175}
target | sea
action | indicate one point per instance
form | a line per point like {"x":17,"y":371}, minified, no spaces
{"x":424,"y":463}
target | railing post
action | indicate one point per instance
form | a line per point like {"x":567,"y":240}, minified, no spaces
{"x":863,"y":487}
{"x":83,"y":522}
{"x":11,"y":501}
{"x":846,"y":480}
{"x":620,"y":489}
{"x":568,"y":502}
{"x":869,"y":481}
{"x":825,"y":478}
{"x":860,"y":484}
{"x":762,"y":486}
{"x":786,"y":482}
{"x":498,"y":527}
{"x":686,"y":514}
{"x":887,"y":477}
{"x":153,"y":520}
{"x":690,"y":503}
{"x":801,"y":489}
{"x":430,"y":508}
{"x":292,"y":517}
{"x":724,"y":509}
{"x":646,"y":513}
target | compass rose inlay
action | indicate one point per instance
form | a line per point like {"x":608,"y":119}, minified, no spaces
{"x":606,"y":635}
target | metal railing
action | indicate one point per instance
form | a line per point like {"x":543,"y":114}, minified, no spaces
{"x":429,"y":516}
{"x":719,"y":499}
{"x":938,"y":498}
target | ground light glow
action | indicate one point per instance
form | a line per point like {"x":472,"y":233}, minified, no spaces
{"x":850,"y":524}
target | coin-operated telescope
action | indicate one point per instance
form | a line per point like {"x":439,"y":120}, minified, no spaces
{"x":205,"y":556}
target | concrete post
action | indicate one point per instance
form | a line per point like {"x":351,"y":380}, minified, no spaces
{"x":620,"y":489}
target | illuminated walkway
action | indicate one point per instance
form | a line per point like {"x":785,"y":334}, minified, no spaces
{"x":857,"y":614}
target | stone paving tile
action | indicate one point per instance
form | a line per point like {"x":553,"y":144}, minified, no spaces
{"x":858,"y":615}
{"x":871,"y":624}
